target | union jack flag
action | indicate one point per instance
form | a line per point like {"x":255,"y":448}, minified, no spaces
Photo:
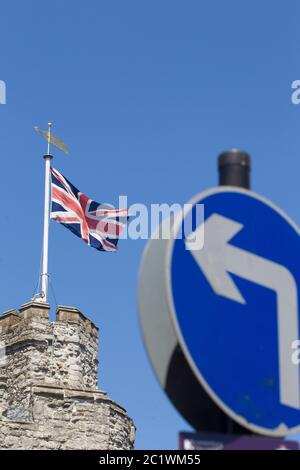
{"x":99,"y":225}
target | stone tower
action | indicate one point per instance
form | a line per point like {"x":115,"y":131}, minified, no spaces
{"x":48,"y":384}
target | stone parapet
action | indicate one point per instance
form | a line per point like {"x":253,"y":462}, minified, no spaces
{"x":48,"y":384}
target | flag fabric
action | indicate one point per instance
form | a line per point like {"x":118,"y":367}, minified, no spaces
{"x":99,"y":225}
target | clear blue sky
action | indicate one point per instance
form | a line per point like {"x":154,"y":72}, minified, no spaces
{"x":146,"y":93}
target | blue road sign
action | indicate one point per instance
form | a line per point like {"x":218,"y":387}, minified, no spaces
{"x":235,"y":308}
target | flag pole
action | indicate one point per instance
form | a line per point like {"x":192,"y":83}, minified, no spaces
{"x":45,"y":274}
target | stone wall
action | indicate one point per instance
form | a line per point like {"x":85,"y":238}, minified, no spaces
{"x":48,"y":380}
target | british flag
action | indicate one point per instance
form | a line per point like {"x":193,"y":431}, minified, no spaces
{"x":99,"y":225}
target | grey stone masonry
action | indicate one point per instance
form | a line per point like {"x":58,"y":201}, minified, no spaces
{"x":48,"y":384}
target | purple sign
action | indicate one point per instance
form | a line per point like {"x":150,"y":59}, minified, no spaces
{"x":212,"y":441}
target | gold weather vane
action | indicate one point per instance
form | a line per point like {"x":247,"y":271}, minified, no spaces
{"x":52,"y":139}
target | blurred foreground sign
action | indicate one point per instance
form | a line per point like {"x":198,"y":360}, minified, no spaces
{"x":210,"y":441}
{"x":229,"y":311}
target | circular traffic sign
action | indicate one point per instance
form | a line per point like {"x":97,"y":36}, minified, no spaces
{"x":231,"y":306}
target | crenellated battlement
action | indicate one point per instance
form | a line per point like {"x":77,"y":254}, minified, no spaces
{"x":63,"y":352}
{"x":48,"y":372}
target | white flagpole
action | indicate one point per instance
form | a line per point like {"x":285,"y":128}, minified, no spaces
{"x":45,"y":274}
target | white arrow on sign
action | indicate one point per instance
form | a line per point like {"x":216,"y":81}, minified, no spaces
{"x":218,"y":258}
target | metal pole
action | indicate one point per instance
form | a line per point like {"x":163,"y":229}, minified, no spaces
{"x":234,"y":168}
{"x":45,"y":275}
